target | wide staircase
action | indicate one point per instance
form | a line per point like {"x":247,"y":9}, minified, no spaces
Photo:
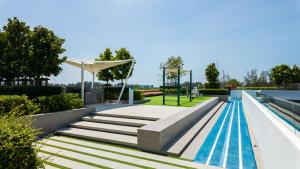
{"x":105,"y":127}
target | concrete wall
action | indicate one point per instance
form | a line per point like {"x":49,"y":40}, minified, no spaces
{"x":49,"y":122}
{"x":279,"y":146}
{"x":157,"y":136}
{"x":285,"y":94}
{"x":237,"y":94}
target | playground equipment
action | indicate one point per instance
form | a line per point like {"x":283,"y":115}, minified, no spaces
{"x":178,"y":73}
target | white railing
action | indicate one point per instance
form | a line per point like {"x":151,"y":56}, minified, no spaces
{"x":279,"y":146}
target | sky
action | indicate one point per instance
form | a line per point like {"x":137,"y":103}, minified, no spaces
{"x":239,"y":35}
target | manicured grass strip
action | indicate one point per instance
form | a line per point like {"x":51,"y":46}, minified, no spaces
{"x":56,"y":165}
{"x":75,"y":159}
{"x":125,"y":154}
{"x":98,"y":156}
{"x":118,"y":146}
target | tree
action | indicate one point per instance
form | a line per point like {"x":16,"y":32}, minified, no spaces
{"x":173,"y":63}
{"x":212,"y":73}
{"x":120,"y":72}
{"x":281,"y":74}
{"x":251,"y":78}
{"x":45,"y":50}
{"x":26,"y":53}
{"x":233,"y":83}
{"x":263,"y":78}
{"x":295,"y":74}
{"x":14,"y":49}
{"x":106,"y":74}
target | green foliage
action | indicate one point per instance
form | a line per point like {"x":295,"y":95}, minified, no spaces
{"x":29,"y":54}
{"x":233,"y":83}
{"x":112,"y":93}
{"x":107,"y":74}
{"x":212,"y":75}
{"x":120,"y":72}
{"x":59,"y":102}
{"x":212,"y":85}
{"x":17,"y":147}
{"x":258,"y":88}
{"x":14,"y":49}
{"x":45,"y":50}
{"x":173,"y":63}
{"x":213,"y":91}
{"x":281,"y":74}
{"x":17,"y":105}
{"x":31,"y":91}
{"x":295,"y":73}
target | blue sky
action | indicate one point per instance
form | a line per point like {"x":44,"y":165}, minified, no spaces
{"x":240,"y":34}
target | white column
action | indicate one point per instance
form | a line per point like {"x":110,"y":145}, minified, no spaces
{"x":82,"y":80}
{"x":93,"y":80}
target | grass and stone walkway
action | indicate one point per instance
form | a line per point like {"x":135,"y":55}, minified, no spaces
{"x":68,"y":152}
{"x":172,"y":100}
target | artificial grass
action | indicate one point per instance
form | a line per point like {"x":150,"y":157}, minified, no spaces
{"x":172,"y":101}
{"x":125,"y":154}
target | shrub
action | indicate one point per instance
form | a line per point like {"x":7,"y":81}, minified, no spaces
{"x":214,"y":91}
{"x":112,"y":93}
{"x":214,"y":85}
{"x":31,"y":91}
{"x":19,"y":105}
{"x":258,"y":88}
{"x":59,"y":102}
{"x":17,"y":148}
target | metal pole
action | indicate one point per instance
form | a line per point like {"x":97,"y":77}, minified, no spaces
{"x":191,"y":85}
{"x":93,"y":80}
{"x":82,"y":80}
{"x":178,"y":86}
{"x":164,"y":81}
{"x":131,"y":67}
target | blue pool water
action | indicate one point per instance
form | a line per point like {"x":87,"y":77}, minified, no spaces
{"x":228,"y":144}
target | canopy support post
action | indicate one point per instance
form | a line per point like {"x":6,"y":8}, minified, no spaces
{"x":130,"y":70}
{"x":93,"y":79}
{"x":82,"y":80}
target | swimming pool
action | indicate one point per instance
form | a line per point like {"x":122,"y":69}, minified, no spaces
{"x":228,"y":144}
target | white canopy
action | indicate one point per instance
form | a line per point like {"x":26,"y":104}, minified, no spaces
{"x":96,"y":66}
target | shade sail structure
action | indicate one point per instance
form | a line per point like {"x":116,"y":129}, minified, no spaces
{"x":96,"y":66}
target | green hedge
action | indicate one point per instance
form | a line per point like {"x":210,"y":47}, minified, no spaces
{"x":19,"y":105}
{"x":213,"y":91}
{"x":258,"y":88}
{"x":215,"y":85}
{"x":31,"y":91}
{"x":112,"y":93}
{"x":59,"y":102}
{"x":17,"y":148}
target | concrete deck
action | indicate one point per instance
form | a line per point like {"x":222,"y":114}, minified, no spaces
{"x":146,"y":112}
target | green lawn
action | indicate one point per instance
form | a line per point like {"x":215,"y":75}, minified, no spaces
{"x":172,"y":100}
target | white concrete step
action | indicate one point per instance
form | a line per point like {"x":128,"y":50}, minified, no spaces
{"x":192,"y":149}
{"x":116,"y":120}
{"x":179,"y":146}
{"x":139,"y":116}
{"x":87,"y":158}
{"x":111,"y":128}
{"x":133,"y":160}
{"x":132,"y":152}
{"x":63,"y":162}
{"x":99,"y":136}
